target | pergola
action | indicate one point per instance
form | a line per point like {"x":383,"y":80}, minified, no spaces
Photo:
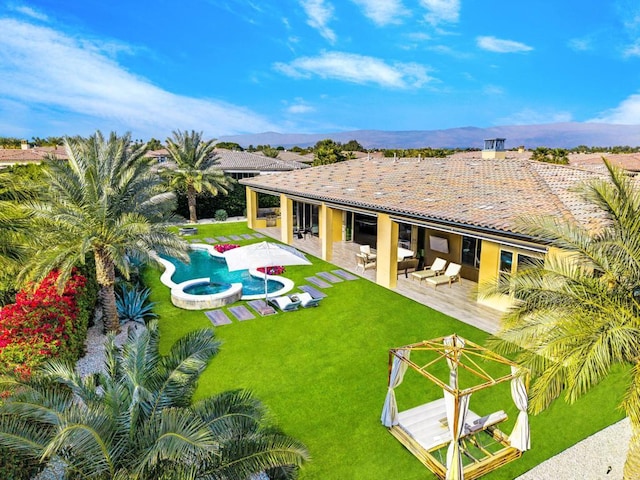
{"x":474,"y":444}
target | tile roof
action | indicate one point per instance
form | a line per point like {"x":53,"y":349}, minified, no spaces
{"x":484,"y":194}
{"x":35,"y":154}
{"x":230,"y":160}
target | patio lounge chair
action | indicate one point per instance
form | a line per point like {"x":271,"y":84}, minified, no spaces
{"x":363,"y":262}
{"x":450,"y":275}
{"x":285,"y":303}
{"x":306,"y":300}
{"x":436,"y":268}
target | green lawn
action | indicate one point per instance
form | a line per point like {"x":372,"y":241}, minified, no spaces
{"x":323,"y":374}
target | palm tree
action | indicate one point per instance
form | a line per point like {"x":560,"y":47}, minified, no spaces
{"x":136,"y":420}
{"x":104,"y":202}
{"x":578,"y":314}
{"x":196,"y":168}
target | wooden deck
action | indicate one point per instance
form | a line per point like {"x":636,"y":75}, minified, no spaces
{"x":458,"y":301}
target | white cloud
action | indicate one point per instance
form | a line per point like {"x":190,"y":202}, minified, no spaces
{"x":529,"y":116}
{"x":357,"y":69}
{"x":319,"y":13}
{"x":441,"y":11}
{"x":498,"y":45}
{"x":73,"y":78}
{"x":627,"y":113}
{"x":632,"y":50}
{"x":580,"y":44}
{"x":30,"y":12}
{"x":382,"y":12}
{"x":300,"y":108}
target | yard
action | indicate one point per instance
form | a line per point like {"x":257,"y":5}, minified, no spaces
{"x":322,"y":372}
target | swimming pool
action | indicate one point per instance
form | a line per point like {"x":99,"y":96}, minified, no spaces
{"x":203,"y":265}
{"x":207,"y":283}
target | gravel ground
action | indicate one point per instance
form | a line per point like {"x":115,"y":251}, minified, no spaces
{"x":600,"y":456}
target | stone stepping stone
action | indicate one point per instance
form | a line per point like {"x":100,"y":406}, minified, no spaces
{"x":241,"y":313}
{"x":314,"y":292}
{"x":217,"y":317}
{"x":330,"y":277}
{"x":318,"y":282}
{"x":344,"y":274}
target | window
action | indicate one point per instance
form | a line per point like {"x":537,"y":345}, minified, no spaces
{"x":506,"y":266}
{"x":511,"y":262}
{"x":471,"y":251}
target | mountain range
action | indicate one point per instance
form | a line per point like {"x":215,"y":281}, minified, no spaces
{"x":553,"y":135}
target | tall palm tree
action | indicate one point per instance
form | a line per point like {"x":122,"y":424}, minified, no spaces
{"x":196,"y":168}
{"x":578,"y":314}
{"x":137,"y":419}
{"x":104,"y":201}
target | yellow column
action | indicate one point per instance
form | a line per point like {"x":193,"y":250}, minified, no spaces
{"x":489,"y":274}
{"x":326,"y":232}
{"x":252,"y":207}
{"x":387,"y":248}
{"x":286,"y":219}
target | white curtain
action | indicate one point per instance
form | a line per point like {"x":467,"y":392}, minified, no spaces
{"x":452,"y":341}
{"x":520,"y":437}
{"x":456,"y":425}
{"x":398,"y":368}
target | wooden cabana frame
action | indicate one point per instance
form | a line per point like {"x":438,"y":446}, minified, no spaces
{"x":423,"y":430}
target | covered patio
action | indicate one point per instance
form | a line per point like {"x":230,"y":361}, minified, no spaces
{"x":458,"y":301}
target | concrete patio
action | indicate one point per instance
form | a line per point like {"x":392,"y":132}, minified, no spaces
{"x":458,"y":301}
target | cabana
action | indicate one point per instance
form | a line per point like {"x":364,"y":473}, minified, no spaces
{"x":447,"y":436}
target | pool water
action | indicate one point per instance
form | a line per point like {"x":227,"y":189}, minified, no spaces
{"x":207,"y":288}
{"x":204,"y":265}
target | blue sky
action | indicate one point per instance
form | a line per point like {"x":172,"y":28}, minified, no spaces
{"x":314,"y":66}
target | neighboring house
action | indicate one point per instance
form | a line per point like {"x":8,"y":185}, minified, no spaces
{"x":245,"y":164}
{"x":463,"y":208}
{"x":238,"y":164}
{"x":26,"y":155}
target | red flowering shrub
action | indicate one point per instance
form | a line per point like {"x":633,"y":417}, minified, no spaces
{"x":223,"y":247}
{"x":43,"y":324}
{"x":272,"y":270}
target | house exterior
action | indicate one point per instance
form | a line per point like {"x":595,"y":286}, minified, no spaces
{"x":26,"y":155}
{"x":238,"y":164}
{"x":464,"y":209}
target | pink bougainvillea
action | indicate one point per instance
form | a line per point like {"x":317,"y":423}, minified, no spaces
{"x":43,"y":323}
{"x":272,"y":270}
{"x":223,"y":247}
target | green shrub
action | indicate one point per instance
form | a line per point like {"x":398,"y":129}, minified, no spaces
{"x":133,"y":305}
{"x":220,"y":215}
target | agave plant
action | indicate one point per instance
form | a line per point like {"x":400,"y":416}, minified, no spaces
{"x":133,"y":305}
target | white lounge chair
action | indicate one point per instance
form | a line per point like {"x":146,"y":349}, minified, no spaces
{"x":285,"y":303}
{"x":306,"y":300}
{"x":450,"y":275}
{"x":363,"y":262}
{"x":436,"y":268}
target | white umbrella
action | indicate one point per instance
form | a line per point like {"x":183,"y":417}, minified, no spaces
{"x":263,"y":254}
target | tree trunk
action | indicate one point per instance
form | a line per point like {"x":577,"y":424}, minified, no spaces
{"x":191,"y":200}
{"x":106,"y":277}
{"x":632,"y":463}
